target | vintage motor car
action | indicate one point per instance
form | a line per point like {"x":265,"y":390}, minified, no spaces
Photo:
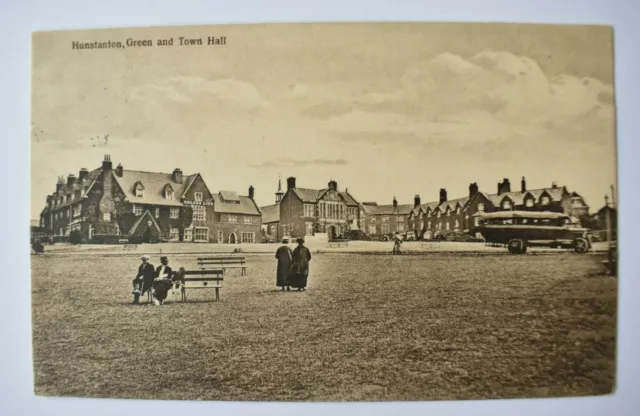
{"x":521,"y":229}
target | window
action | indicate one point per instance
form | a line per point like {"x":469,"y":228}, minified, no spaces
{"x":481,"y":206}
{"x":137,"y":210}
{"x":448,"y":212}
{"x":248,"y":237}
{"x":457,"y":224}
{"x":139,"y":191}
{"x":439,"y":214}
{"x":247,"y":219}
{"x":233,"y":219}
{"x":175,"y":213}
{"x":448,"y":226}
{"x":384,"y":228}
{"x":77,"y":210}
{"x":174,"y":234}
{"x":385,"y":219}
{"x":529,"y":202}
{"x":373,"y":220}
{"x":117,"y":229}
{"x":372,"y":229}
{"x":457,"y":210}
{"x":429,"y":224}
{"x":399,"y":220}
{"x":309,"y":210}
{"x":545,"y":200}
{"x":400,"y":226}
{"x":506,"y":204}
{"x":106,"y":217}
{"x":197,"y":196}
{"x":476,"y":221}
{"x":168,"y":194}
{"x":157,"y":212}
{"x":201,"y":234}
{"x":220,"y":236}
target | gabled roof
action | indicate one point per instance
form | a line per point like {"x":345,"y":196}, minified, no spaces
{"x":308,"y":195}
{"x":452,"y":204}
{"x":154,"y":184}
{"x":270,"y":213}
{"x":243,"y":205}
{"x":401,"y":209}
{"x":137,"y":223}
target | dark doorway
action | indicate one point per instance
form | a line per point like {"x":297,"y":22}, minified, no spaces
{"x":146,"y":237}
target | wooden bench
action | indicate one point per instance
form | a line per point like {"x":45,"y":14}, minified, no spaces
{"x":223,"y":263}
{"x":337,"y":243}
{"x":200,"y":279}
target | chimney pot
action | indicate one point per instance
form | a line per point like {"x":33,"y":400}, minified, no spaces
{"x":443,"y":195}
{"x":71,"y":179}
{"x":106,"y":163}
{"x":119,"y":170}
{"x":523,"y":187}
{"x":177,"y":175}
{"x":251,"y":192}
{"x":416,"y":201}
{"x":291,"y":183}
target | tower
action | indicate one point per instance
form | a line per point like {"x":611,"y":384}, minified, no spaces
{"x":279,"y":193}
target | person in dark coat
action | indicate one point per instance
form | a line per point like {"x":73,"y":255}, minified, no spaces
{"x":162,"y":283}
{"x":300,"y":268}
{"x":283,"y":254}
{"x":144,"y":279}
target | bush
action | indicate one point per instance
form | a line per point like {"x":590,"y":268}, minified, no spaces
{"x":75,"y":237}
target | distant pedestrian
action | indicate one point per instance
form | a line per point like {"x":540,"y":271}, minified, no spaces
{"x":162,"y":283}
{"x":284,"y":256}
{"x":144,"y":279}
{"x":300,"y":268}
{"x":397,"y":241}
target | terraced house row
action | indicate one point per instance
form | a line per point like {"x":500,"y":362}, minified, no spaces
{"x":106,"y":203}
{"x":459,"y":214}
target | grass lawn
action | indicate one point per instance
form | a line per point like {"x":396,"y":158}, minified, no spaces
{"x":370,"y":327}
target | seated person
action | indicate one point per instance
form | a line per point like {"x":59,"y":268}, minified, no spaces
{"x":162,"y":282}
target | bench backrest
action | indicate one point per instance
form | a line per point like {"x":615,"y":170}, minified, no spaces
{"x":202,"y":278}
{"x":220,"y":260}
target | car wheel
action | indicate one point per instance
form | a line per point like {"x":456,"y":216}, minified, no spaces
{"x":517,"y":246}
{"x":581,"y":245}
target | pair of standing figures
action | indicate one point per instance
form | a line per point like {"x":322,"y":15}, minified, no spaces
{"x":293,"y":266}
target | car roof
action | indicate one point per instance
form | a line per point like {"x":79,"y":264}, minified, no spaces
{"x":521,"y":214}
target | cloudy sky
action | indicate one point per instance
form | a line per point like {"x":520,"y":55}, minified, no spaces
{"x":384,"y":109}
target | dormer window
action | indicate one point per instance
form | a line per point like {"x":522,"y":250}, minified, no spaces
{"x":545,"y":200}
{"x":138,"y":190}
{"x":168,"y":194}
{"x":506,"y":204}
{"x":481,"y":206}
{"x":529,"y":202}
{"x":458,"y":210}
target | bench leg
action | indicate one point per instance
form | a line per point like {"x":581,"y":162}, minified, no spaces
{"x":217,"y":294}
{"x":183,"y":294}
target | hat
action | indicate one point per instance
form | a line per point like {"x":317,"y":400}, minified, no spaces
{"x":163,"y":258}
{"x":299,"y":240}
{"x":145,"y":257}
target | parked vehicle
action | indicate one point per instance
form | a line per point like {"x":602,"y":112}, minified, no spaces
{"x":521,"y":229}
{"x":356,"y":235}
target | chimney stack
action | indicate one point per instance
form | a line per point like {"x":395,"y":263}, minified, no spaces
{"x":443,"y":195}
{"x":395,"y":202}
{"x":291,"y":183}
{"x":106,"y":163}
{"x":504,"y":186}
{"x":119,"y":170}
{"x":554,"y":185}
{"x":177,"y":175}
{"x":251,"y":192}
{"x":523,"y":185}
{"x":60,"y":183}
{"x":473,"y":189}
{"x":416,"y":201}
{"x":71,"y":179}
{"x":83,"y":174}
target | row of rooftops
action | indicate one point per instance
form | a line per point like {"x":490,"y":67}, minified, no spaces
{"x":146,"y":188}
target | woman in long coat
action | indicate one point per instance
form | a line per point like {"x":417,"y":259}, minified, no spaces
{"x":300,"y":268}
{"x":283,"y":254}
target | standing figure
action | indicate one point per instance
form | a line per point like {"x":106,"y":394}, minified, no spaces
{"x":300,"y":268}
{"x":162,"y":283}
{"x":144,"y":279}
{"x":284,"y":256}
{"x":397,"y":240}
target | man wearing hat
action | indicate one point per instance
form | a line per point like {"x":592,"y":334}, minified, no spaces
{"x":144,"y":279}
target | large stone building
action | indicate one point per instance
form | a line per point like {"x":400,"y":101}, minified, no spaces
{"x":306,"y":211}
{"x":384,"y":220}
{"x":153,"y":206}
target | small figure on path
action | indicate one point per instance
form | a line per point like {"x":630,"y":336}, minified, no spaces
{"x":397,"y":240}
{"x":144,"y":279}
{"x":284,"y":256}
{"x":162,"y":283}
{"x":37,"y":247}
{"x":300,"y":268}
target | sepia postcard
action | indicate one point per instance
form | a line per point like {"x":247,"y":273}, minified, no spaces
{"x":324,"y":212}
